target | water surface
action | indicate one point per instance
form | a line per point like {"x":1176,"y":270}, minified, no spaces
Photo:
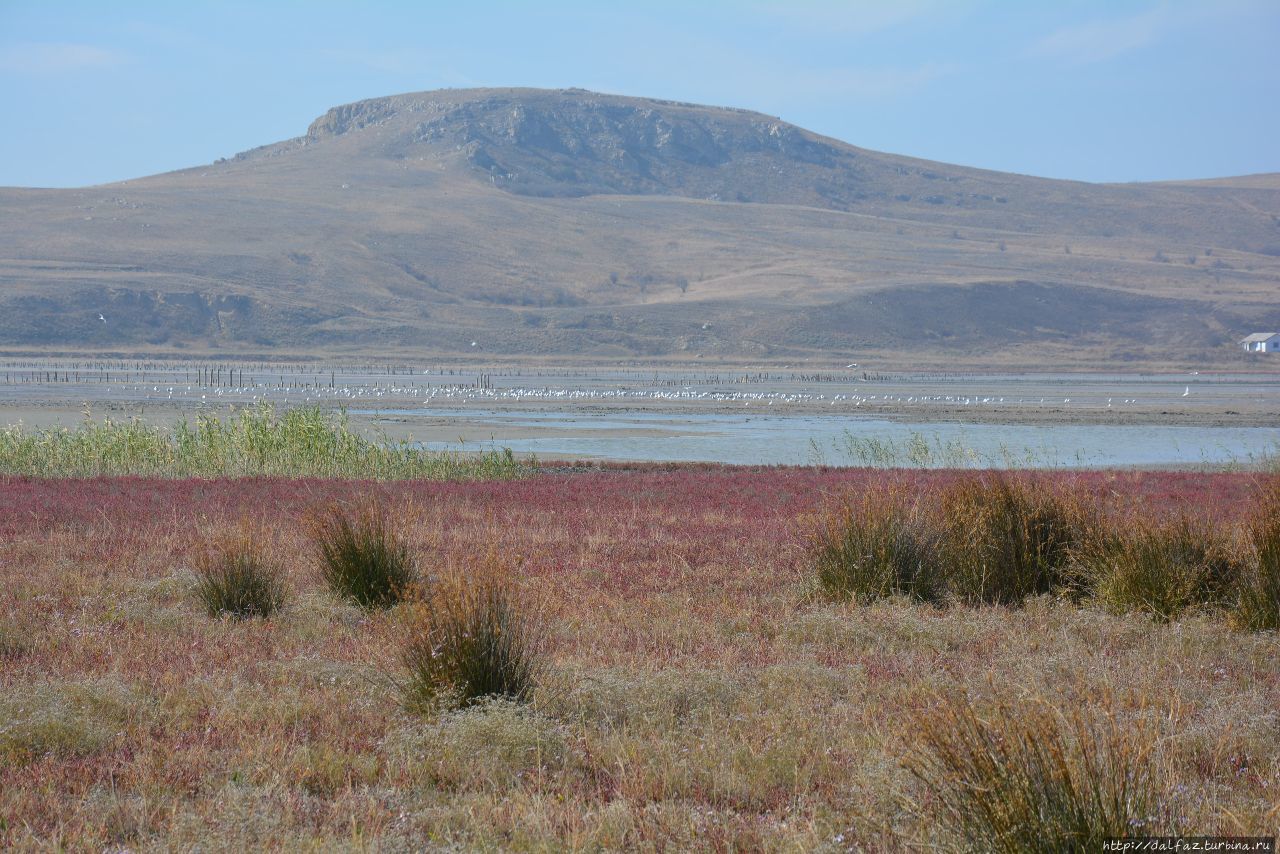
{"x":753,"y":439}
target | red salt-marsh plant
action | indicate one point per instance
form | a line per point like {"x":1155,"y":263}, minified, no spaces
{"x":694,"y":697}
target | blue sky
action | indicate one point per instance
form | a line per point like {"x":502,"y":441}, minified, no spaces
{"x":1100,"y":91}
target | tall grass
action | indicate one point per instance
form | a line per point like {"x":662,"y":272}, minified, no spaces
{"x":1258,"y":600}
{"x":301,"y":442}
{"x":236,"y":577}
{"x":1162,"y":567}
{"x":1006,"y":539}
{"x":999,"y":539}
{"x":879,"y":547}
{"x":471,"y":638}
{"x":988,"y":539}
{"x":1030,"y":779}
{"x":920,"y":452}
{"x":361,"y":557}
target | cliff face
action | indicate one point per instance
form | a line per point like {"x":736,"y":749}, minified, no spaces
{"x":574,"y":143}
{"x":572,"y":224}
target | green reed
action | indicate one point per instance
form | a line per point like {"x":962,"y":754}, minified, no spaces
{"x":255,"y":441}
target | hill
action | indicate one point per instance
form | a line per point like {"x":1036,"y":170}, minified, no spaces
{"x":578,"y":226}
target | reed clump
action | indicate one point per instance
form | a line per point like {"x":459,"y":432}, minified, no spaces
{"x":236,"y":577}
{"x":1163,"y":567}
{"x":362,"y":558}
{"x":1005,"y":539}
{"x":1019,"y":778}
{"x":990,"y":539}
{"x":1258,"y":600}
{"x":878,"y":547}
{"x":255,"y":441}
{"x":996,"y":539}
{"x":472,"y":637}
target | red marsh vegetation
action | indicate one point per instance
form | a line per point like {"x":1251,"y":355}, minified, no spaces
{"x":696,"y":685}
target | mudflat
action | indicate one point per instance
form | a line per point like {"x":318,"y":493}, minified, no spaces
{"x":399,"y":398}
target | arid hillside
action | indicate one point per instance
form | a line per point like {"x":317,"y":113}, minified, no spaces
{"x":571,"y":225}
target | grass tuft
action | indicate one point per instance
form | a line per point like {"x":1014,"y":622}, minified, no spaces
{"x":361,"y":557}
{"x":879,"y":548}
{"x":237,"y":578}
{"x":1162,"y":567}
{"x":1258,"y":604}
{"x":1006,"y":539}
{"x":472,"y":638}
{"x":1028,"y":778}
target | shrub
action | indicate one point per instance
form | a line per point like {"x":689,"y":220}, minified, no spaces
{"x":1258,"y":602}
{"x":1163,"y":567}
{"x":361,"y":558}
{"x":1005,"y":539}
{"x":237,"y":578}
{"x":472,"y":638}
{"x":1032,"y":779}
{"x":879,"y":548}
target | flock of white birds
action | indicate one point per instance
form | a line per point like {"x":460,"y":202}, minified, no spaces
{"x":460,"y":393}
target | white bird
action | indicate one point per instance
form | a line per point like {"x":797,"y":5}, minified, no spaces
{"x":473,"y":343}
{"x":1187,"y":392}
{"x":103,"y":319}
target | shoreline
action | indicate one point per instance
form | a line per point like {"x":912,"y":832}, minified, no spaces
{"x":68,"y":413}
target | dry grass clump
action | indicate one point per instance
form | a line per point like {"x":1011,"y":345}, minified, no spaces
{"x":998,"y":539}
{"x":472,"y":636}
{"x":1007,"y":539}
{"x":1162,"y":567}
{"x":361,"y":556}
{"x":1030,"y":778}
{"x":880,"y":547}
{"x":1258,"y":604}
{"x":989,"y":539}
{"x":238,"y":578}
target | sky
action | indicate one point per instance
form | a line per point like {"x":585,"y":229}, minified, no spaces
{"x":1111,"y":90}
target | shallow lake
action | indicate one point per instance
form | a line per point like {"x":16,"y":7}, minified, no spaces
{"x":843,"y":440}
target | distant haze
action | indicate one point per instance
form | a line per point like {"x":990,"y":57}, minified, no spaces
{"x":1098,"y":91}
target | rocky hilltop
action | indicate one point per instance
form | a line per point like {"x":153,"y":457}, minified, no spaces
{"x":570,"y":224}
{"x":577,"y":143}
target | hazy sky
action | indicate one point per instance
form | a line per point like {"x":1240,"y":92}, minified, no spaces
{"x":1101,"y":91}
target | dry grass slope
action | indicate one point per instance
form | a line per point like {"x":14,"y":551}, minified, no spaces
{"x":568,"y":224}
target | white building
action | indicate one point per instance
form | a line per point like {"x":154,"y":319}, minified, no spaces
{"x":1262,"y":342}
